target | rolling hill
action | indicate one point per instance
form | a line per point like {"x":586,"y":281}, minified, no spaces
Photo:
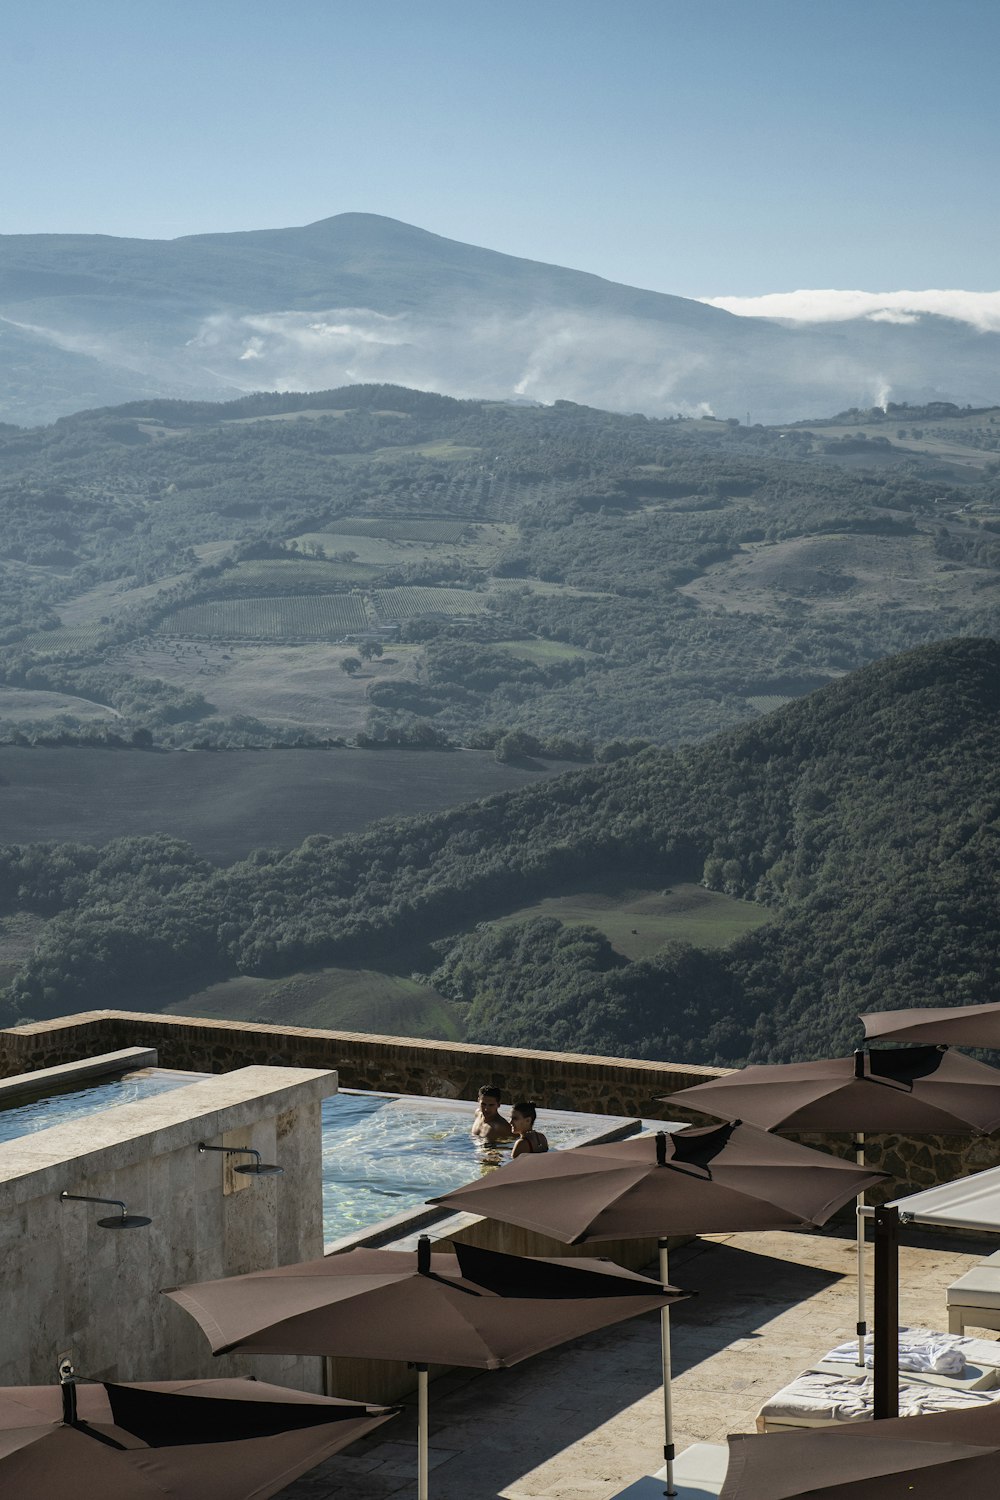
{"x":863,"y":820}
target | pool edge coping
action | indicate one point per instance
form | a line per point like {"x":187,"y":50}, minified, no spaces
{"x":22,"y":1086}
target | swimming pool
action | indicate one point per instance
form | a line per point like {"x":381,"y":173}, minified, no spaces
{"x":386,"y":1153}
{"x":382,"y":1154}
{"x":75,"y":1100}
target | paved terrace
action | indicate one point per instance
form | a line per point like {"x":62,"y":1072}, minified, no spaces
{"x":583,"y":1422}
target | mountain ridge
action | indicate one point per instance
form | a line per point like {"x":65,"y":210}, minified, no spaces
{"x":363,"y":297}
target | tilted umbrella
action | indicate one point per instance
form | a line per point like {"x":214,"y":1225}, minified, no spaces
{"x":466,"y":1306}
{"x":913,"y":1089}
{"x":169,"y":1440}
{"x":704,"y":1181}
{"x":957,"y":1025}
{"x":923,"y":1089}
{"x":943,"y":1456}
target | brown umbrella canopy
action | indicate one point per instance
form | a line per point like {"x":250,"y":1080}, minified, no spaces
{"x":462,"y":1307}
{"x":946,"y":1456}
{"x":175,"y":1440}
{"x":920,"y":1089}
{"x":704,"y":1181}
{"x":959,"y":1025}
{"x":466,"y":1307}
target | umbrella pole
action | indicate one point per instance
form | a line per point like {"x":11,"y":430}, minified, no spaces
{"x":859,"y":1156}
{"x":668,"y":1416}
{"x":422,"y":1433}
{"x":886,"y":1333}
{"x":67,"y":1382}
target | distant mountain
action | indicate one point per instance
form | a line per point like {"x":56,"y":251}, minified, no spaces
{"x":91,"y":320}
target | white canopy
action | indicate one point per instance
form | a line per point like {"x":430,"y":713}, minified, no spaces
{"x":969,"y":1203}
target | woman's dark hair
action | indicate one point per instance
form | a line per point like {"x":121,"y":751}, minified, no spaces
{"x":525,"y":1107}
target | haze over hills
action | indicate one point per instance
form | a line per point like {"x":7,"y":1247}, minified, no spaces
{"x":91,"y":320}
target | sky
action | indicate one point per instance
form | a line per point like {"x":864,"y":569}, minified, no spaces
{"x":725,"y":149}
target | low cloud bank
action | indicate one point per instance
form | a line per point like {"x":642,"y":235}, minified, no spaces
{"x":980,"y":310}
{"x":602,"y":361}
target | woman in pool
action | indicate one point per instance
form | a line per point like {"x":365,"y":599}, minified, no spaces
{"x":526,"y":1138}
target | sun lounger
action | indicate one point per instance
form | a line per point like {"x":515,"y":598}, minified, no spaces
{"x":974,"y":1299}
{"x":819,"y":1399}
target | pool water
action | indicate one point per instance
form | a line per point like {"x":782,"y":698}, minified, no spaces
{"x":82,"y":1099}
{"x":386,"y":1153}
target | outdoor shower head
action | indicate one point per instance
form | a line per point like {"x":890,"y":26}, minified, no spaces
{"x":255,"y":1168}
{"x":123,"y":1220}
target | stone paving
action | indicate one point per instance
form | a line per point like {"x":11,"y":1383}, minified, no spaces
{"x":584,"y":1421}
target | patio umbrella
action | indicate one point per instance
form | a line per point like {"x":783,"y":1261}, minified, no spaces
{"x":947,"y":1456}
{"x":169,"y":1440}
{"x":957,"y":1025}
{"x":464,"y":1307}
{"x":914,"y":1089}
{"x":704,"y":1181}
{"x":923,"y":1089}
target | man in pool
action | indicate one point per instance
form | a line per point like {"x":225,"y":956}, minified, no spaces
{"x":489,"y":1124}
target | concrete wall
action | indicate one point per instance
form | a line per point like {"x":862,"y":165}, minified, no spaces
{"x":69,"y":1285}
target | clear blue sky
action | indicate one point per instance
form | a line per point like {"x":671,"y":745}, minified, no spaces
{"x":707,"y":147}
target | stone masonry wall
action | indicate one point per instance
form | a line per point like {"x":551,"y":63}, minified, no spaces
{"x":450,"y":1070}
{"x":444,"y":1070}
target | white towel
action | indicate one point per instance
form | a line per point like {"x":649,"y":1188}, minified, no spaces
{"x":921,"y":1350}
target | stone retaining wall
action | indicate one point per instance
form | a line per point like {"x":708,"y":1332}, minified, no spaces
{"x":443,"y":1070}
{"x":450,"y":1070}
{"x":914,"y":1162}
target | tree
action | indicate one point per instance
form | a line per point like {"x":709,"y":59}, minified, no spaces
{"x":370,"y":648}
{"x":350,"y":665}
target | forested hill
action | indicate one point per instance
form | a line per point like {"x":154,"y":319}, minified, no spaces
{"x":865,"y":815}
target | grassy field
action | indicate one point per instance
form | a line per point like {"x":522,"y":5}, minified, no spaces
{"x":338,"y":999}
{"x":402,"y":528}
{"x":288,"y":686}
{"x":22,"y":705}
{"x":226,"y":804}
{"x":543,"y":651}
{"x":395,"y":540}
{"x":110,"y":598}
{"x":841,"y":574}
{"x":295,"y":573}
{"x":766,"y":703}
{"x":309,"y":617}
{"x":638,"y":922}
{"x":443,"y":448}
{"x":373,"y":552}
{"x":939,"y":438}
{"x":551,"y":590}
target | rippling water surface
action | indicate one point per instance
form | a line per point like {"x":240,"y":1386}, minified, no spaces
{"x":383,"y":1154}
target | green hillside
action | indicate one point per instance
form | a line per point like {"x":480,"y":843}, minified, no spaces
{"x":865,"y":819}
{"x":576,"y":579}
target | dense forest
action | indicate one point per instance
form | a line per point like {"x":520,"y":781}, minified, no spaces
{"x":865,"y":816}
